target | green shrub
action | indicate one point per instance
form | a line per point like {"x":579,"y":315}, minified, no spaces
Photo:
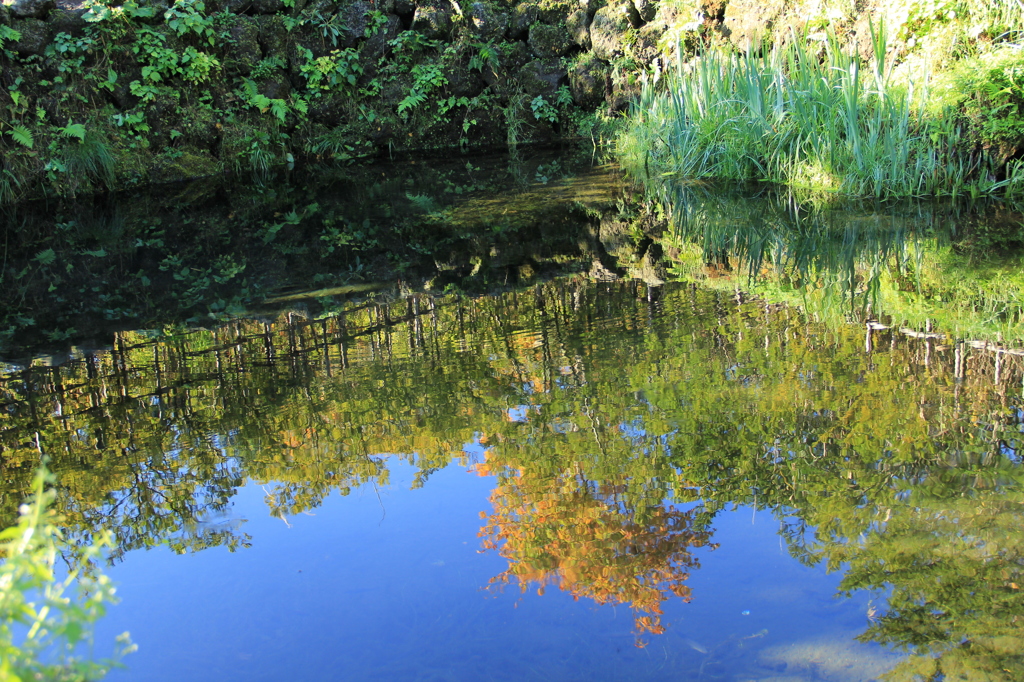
{"x":43,"y":631}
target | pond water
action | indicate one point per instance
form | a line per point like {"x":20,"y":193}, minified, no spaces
{"x":574,"y":477}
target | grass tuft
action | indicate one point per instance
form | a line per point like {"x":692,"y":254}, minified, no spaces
{"x":821,"y":119}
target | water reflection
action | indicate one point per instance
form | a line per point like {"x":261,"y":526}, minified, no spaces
{"x":953,"y":265}
{"x":620,"y":422}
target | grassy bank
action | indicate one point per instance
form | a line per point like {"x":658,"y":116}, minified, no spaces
{"x":821,"y":113}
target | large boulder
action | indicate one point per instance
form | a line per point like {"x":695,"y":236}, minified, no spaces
{"x":354,"y":19}
{"x":524,"y":15}
{"x":747,"y":21}
{"x":542,"y":77}
{"x":487,"y":22}
{"x":70,"y":21}
{"x":588,"y":79}
{"x":549,"y":41}
{"x":36,"y":35}
{"x":609,"y":28}
{"x":267,"y":6}
{"x":434,"y":19}
{"x":378,"y":45}
{"x":646,"y":9}
{"x":512,"y":56}
{"x":273,"y":35}
{"x":578,"y":26}
{"x":30,"y":9}
{"x":243,"y":49}
{"x":329,"y":109}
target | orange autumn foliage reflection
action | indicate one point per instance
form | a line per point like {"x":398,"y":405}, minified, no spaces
{"x":580,"y":536}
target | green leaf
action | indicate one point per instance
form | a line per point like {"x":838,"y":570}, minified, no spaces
{"x":279,"y":108}
{"x":22,"y":136}
{"x":46,"y":257}
{"x":74,"y":130}
{"x":98,"y":253}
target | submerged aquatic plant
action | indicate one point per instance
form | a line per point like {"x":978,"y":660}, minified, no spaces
{"x":816,"y":119}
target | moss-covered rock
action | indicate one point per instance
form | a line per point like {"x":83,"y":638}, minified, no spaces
{"x":487,"y":21}
{"x":243,"y":49}
{"x":176,"y":165}
{"x":524,"y":15}
{"x":549,"y":41}
{"x":30,"y":9}
{"x":378,"y":45}
{"x":434,"y":19}
{"x":36,"y":34}
{"x":354,"y":19}
{"x":588,"y":80}
{"x":267,"y":6}
{"x":329,"y":109}
{"x":747,"y":22}
{"x":273,"y":35}
{"x":200,"y":129}
{"x":578,"y":26}
{"x":609,"y":28}
{"x":70,"y":21}
{"x":5,"y":15}
{"x":646,"y":9}
{"x":542,"y":77}
{"x":275,"y":86}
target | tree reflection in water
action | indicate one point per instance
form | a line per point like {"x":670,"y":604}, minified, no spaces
{"x":619,"y":421}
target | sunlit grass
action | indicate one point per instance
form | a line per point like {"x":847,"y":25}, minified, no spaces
{"x":813,"y":116}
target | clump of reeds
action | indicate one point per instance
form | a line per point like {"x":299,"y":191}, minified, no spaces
{"x":822,"y":119}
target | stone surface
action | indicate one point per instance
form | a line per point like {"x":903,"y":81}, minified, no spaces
{"x":30,"y":9}
{"x":462,"y":82}
{"x":70,"y":21}
{"x":524,"y":15}
{"x":273,"y":35}
{"x":236,"y":6}
{"x":747,"y":22}
{"x":487,"y":22}
{"x":378,"y":44}
{"x":354,"y":20}
{"x":276,"y":87}
{"x":646,"y":9}
{"x":542,"y":77}
{"x":328,"y":109}
{"x":549,"y":41}
{"x":608,"y":28}
{"x":578,"y":26}
{"x":267,"y":6}
{"x":433,"y":20}
{"x":243,"y":50}
{"x":5,"y":15}
{"x":36,"y":34}
{"x":587,"y":81}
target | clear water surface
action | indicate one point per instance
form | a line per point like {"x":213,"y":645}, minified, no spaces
{"x":568,"y":479}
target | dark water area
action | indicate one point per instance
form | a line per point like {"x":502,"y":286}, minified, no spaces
{"x":565,"y":474}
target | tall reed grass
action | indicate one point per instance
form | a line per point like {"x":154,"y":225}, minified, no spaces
{"x":821,"y":119}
